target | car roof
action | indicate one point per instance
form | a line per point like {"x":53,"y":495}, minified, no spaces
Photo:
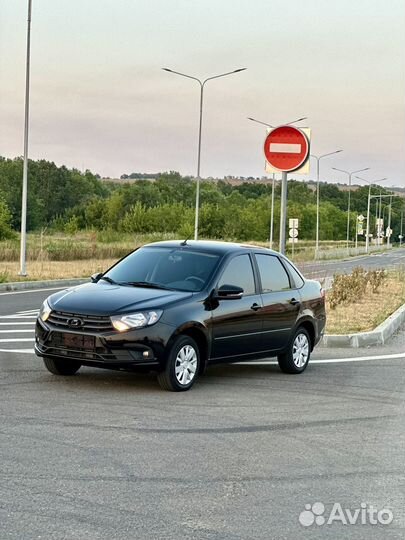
{"x":211,"y":246}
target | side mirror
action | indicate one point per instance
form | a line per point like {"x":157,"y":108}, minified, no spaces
{"x":95,"y":277}
{"x":229,"y":292}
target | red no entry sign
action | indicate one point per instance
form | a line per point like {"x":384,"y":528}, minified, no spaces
{"x":286,"y":148}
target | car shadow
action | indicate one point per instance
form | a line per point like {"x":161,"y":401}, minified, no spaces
{"x":94,"y":380}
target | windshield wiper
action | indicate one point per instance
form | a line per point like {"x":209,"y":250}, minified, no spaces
{"x":109,"y":280}
{"x":147,"y":284}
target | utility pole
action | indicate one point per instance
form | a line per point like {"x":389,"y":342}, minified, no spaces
{"x":318,"y":159}
{"x":23,"y":241}
{"x":349,"y":174}
{"x":389,"y":223}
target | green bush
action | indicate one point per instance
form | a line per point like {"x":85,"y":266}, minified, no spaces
{"x":6,"y":232}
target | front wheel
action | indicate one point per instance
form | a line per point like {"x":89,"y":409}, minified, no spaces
{"x":296,"y":358}
{"x":61,"y":367}
{"x":182,"y":365}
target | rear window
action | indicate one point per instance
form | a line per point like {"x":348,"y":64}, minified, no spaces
{"x":272,"y":274}
{"x":299,"y":282}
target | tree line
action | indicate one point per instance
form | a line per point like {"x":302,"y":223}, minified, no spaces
{"x":68,"y":200}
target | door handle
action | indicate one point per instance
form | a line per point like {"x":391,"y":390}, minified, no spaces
{"x":294,"y":302}
{"x":255,"y":307}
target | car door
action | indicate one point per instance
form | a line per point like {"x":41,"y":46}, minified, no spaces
{"x":281,"y":301}
{"x":236,"y":324}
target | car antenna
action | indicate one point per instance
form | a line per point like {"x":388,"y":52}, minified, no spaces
{"x":184,"y":243}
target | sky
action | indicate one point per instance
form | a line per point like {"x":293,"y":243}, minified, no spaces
{"x":100,"y":100}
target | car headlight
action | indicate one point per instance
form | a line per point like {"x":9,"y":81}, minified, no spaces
{"x":45,"y":311}
{"x":135,"y":320}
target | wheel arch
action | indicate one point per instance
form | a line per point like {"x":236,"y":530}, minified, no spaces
{"x":309,"y":327}
{"x":199,"y":333}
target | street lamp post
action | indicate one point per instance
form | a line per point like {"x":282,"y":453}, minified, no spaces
{"x":318,"y":158}
{"x":202,"y":84}
{"x":389,"y":224}
{"x":350,"y":174}
{"x":368,"y":207}
{"x":23,"y":241}
{"x":283,"y":202}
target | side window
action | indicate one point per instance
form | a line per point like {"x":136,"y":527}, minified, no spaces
{"x":239,"y":272}
{"x":299,"y":282}
{"x":272,"y":274}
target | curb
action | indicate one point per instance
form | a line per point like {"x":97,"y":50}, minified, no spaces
{"x":27,"y":285}
{"x":379,"y":336}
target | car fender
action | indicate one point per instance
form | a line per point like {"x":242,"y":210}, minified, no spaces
{"x":200,"y":333}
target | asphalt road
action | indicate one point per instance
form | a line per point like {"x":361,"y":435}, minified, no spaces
{"x":105,"y":455}
{"x":394,"y":258}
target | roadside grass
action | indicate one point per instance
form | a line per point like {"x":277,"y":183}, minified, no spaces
{"x":44,"y":270}
{"x":370,"y":309}
{"x":108,"y":244}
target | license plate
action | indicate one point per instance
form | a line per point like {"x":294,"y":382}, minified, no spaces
{"x":78,"y":341}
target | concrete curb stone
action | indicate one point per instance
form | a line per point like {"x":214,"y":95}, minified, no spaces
{"x":27,"y":285}
{"x":378,"y":336}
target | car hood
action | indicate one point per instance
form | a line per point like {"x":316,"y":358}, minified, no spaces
{"x":105,"y":299}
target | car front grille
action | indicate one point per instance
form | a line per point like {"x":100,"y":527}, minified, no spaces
{"x":88,"y":323}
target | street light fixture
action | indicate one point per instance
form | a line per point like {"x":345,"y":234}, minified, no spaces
{"x":368,"y":207}
{"x":273,"y":182}
{"x":350,"y":174}
{"x":271,"y":126}
{"x":202,"y":84}
{"x":318,"y":159}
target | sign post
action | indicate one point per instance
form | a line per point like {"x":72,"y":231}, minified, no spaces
{"x":286,"y":149}
{"x":293,"y":233}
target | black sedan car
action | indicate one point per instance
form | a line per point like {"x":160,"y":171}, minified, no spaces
{"x":176,"y":307}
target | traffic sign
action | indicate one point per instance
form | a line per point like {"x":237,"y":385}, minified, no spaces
{"x":293,"y":223}
{"x":286,"y":148}
{"x":293,"y":233}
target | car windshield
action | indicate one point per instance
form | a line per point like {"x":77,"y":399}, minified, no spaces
{"x":166,"y":268}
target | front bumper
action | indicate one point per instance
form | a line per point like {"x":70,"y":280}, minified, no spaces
{"x":141,"y":347}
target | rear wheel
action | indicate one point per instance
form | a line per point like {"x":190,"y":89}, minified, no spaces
{"x":61,"y":367}
{"x":182,"y":365}
{"x":296,"y":358}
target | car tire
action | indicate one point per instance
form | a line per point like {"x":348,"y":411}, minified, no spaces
{"x":61,"y":367}
{"x":182,"y":365}
{"x":296,"y":357}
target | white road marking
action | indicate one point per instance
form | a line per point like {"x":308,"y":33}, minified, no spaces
{"x":15,"y":340}
{"x":16,"y":326}
{"x":37,"y":290}
{"x":18,"y":317}
{"x":19,"y":351}
{"x":10,"y":331}
{"x":17,"y":323}
{"x":336,"y":360}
